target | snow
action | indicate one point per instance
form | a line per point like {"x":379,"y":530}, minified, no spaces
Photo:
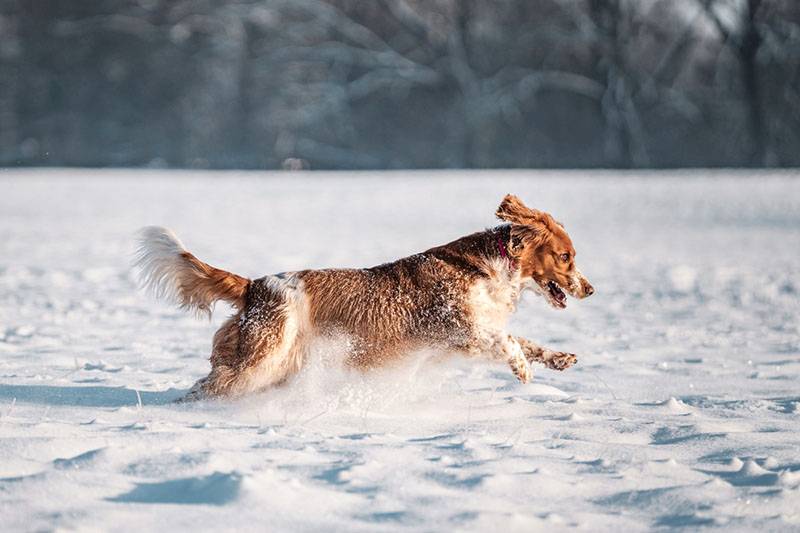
{"x":682,"y":410}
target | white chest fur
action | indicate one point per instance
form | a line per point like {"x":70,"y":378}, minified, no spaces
{"x":493,"y":299}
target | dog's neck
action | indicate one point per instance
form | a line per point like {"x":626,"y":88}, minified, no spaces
{"x":502,"y":248}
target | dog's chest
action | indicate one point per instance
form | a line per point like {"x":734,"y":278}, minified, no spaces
{"x":492,"y":300}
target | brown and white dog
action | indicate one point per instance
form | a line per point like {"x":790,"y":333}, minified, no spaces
{"x":457,"y":297}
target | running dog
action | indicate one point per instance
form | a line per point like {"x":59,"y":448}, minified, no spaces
{"x":456,"y":297}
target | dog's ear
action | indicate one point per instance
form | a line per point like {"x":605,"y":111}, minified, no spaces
{"x":513,"y":210}
{"x":529,"y":227}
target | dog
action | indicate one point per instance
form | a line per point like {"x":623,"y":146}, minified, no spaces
{"x":456,"y":297}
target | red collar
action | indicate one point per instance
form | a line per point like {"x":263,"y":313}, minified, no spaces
{"x":503,"y":249}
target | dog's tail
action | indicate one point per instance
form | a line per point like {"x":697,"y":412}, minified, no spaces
{"x":169,"y":271}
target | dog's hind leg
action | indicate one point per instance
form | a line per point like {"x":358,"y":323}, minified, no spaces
{"x":260,"y":347}
{"x":549,"y":358}
{"x":224,"y":356}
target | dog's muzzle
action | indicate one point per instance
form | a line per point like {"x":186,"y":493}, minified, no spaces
{"x":580,"y":286}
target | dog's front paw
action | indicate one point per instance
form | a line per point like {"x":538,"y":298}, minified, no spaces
{"x":521,"y":369}
{"x":561,"y":360}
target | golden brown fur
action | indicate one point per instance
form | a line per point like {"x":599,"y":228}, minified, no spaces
{"x":202,"y":285}
{"x":456,"y":297}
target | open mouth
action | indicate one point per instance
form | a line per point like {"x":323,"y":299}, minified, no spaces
{"x":557,"y":296}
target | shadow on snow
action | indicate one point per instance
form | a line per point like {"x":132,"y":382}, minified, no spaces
{"x":85,"y":396}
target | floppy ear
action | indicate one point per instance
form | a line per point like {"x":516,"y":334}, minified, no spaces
{"x":513,"y":210}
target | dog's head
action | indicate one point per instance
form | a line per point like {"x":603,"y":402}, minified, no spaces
{"x":544,"y":252}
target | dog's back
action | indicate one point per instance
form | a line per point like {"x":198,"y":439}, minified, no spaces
{"x":387,"y":309}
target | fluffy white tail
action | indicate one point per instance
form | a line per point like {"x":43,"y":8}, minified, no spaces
{"x":170,"y":272}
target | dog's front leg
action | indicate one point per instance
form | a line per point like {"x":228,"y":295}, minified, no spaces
{"x":501,"y":346}
{"x":549,"y":358}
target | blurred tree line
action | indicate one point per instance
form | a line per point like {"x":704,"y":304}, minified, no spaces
{"x":400,"y":83}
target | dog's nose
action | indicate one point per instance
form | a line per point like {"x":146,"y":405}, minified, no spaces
{"x":588,"y":290}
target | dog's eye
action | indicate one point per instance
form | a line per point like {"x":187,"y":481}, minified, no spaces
{"x":565,"y":258}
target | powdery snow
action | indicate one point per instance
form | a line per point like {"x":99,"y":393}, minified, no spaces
{"x":682,"y":410}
